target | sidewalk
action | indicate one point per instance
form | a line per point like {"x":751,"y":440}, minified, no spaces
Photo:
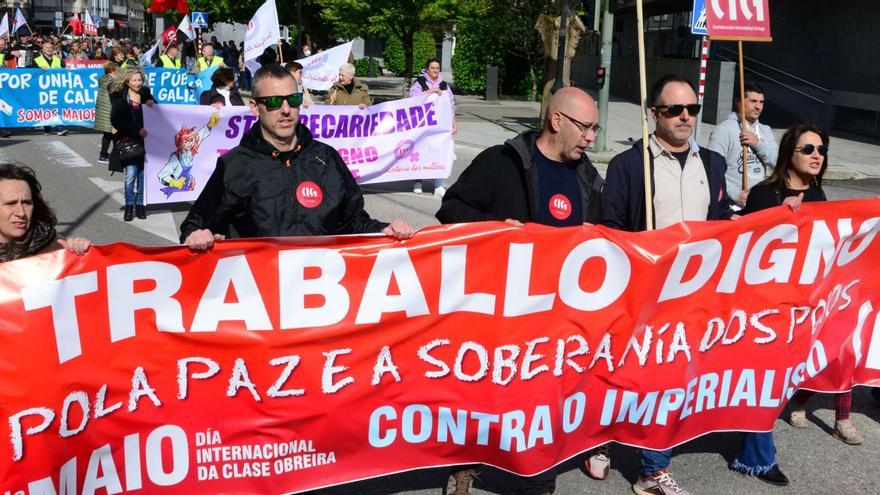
{"x":482,"y":124}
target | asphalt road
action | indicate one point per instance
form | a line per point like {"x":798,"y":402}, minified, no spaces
{"x":88,"y":202}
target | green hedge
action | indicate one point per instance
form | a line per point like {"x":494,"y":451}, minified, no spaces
{"x":424,"y":47}
{"x":474,"y":49}
{"x":362,"y":67}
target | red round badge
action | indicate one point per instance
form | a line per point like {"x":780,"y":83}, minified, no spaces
{"x":309,"y":194}
{"x":560,"y":207}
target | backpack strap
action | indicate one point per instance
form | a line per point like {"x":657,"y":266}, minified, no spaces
{"x":443,"y":85}
{"x":422,"y":82}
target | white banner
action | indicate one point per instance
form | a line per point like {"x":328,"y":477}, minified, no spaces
{"x":262,"y":32}
{"x":397,"y":140}
{"x":321,"y":70}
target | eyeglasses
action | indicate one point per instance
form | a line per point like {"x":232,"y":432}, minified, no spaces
{"x":808,"y":149}
{"x":275,"y":102}
{"x":584,"y":127}
{"x":676,"y":110}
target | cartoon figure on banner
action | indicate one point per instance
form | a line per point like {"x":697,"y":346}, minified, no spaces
{"x":176,"y":175}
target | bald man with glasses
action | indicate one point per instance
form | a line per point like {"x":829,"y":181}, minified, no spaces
{"x":545,"y":178}
{"x":541,"y":177}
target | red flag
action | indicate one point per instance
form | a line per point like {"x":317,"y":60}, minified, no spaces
{"x":169,"y":36}
{"x":76,"y":26}
{"x":182,"y":7}
{"x":159,"y":6}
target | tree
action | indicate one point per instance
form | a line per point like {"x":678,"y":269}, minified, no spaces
{"x":500,"y":33}
{"x":401,"y":19}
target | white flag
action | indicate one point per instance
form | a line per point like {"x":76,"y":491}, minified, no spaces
{"x":89,"y":28}
{"x":262,"y":32}
{"x":19,"y":21}
{"x":186,"y":27}
{"x":321,"y":70}
{"x":146,"y":58}
{"x":4,"y":25}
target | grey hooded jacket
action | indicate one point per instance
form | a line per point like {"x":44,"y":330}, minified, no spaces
{"x":725,"y":140}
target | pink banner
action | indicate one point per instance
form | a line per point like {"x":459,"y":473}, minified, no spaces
{"x":738,"y":19}
{"x":398,"y":140}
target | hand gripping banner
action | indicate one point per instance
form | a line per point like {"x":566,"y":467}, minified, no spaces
{"x":282,"y":365}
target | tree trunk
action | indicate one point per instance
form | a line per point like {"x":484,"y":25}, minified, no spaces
{"x":407,"y":61}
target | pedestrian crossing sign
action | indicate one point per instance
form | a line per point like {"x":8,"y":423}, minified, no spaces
{"x":200,"y":20}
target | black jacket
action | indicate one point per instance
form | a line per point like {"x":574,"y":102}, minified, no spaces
{"x":213,"y":96}
{"x":623,"y":203}
{"x":127,"y":122}
{"x":502,"y":183}
{"x":254,"y":189}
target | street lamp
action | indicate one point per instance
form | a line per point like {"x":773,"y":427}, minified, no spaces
{"x":560,"y":50}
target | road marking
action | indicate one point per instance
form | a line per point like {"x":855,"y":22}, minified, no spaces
{"x":158,"y":223}
{"x":60,"y":154}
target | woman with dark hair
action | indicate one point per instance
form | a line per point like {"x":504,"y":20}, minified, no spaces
{"x":431,"y":81}
{"x":223,"y":91}
{"x":798,"y":174}
{"x":128,"y":94}
{"x":802,"y":161}
{"x":27,"y":224}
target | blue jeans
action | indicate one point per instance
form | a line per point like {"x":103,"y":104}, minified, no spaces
{"x":655,"y":460}
{"x":758,"y":454}
{"x":134,"y":173}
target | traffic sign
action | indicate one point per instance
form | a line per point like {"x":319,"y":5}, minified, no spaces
{"x":698,"y":18}
{"x":200,"y":20}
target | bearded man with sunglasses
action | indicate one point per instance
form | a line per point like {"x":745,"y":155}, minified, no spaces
{"x":279,"y":181}
{"x":688,"y":184}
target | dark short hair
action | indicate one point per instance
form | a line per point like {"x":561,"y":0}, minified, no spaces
{"x":43,"y":215}
{"x":293,"y":66}
{"x":787,"y":145}
{"x":431,"y":61}
{"x":221,"y":77}
{"x":661,"y":83}
{"x":270,"y":71}
{"x":749,"y":88}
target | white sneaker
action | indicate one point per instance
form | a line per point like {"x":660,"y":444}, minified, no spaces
{"x":439,"y":191}
{"x":661,"y":483}
{"x":62,"y":132}
{"x":417,"y":187}
{"x":599,"y":463}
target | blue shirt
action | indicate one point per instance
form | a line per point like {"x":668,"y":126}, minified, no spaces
{"x":559,"y":195}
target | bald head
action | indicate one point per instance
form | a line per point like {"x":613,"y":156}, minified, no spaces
{"x":569,"y":99}
{"x":569,"y":127}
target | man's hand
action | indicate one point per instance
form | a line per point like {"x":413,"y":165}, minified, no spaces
{"x":362,"y":106}
{"x":150,"y":103}
{"x":743,"y":197}
{"x":143,"y":133}
{"x":515,"y":223}
{"x":794,"y":202}
{"x":399,"y":230}
{"x":202,"y":239}
{"x":76,"y":245}
{"x":748,"y":137}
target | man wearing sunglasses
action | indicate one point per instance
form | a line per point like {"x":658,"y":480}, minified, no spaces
{"x":729,"y":137}
{"x":279,"y":181}
{"x":687,"y":183}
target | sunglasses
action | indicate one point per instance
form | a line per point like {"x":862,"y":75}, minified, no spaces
{"x":275,"y":102}
{"x":676,"y":110}
{"x":582,"y":126}
{"x":808,"y":149}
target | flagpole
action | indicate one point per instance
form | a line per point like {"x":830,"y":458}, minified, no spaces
{"x":643,"y":92}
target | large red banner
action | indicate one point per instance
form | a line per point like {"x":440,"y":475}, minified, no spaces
{"x":276,"y":366}
{"x":747,"y":20}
